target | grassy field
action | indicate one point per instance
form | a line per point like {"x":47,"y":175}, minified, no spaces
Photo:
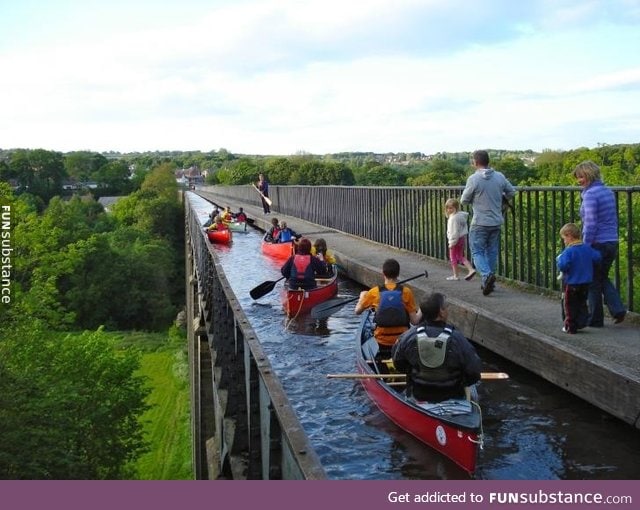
{"x":167,"y":423}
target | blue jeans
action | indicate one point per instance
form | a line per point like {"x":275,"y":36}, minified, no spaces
{"x":485,"y":245}
{"x":602,"y":286}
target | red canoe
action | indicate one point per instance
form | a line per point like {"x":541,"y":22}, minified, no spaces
{"x":452,"y":427}
{"x":219,"y":236}
{"x":298,"y":301}
{"x":277,"y":250}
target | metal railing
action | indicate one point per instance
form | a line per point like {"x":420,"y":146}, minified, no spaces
{"x":413,"y":219}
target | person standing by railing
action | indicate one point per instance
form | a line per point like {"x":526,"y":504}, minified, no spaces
{"x":600,"y":230}
{"x":485,"y":190}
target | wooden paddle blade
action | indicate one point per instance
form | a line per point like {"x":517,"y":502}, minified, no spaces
{"x":492,"y":376}
{"x":263,"y":289}
{"x":324,"y":310}
{"x":484,"y":376}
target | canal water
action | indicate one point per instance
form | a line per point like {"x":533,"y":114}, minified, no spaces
{"x":532,"y":429}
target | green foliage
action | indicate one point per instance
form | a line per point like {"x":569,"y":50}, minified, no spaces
{"x":69,"y":406}
{"x":279,"y":169}
{"x":518,"y":173}
{"x":75,"y":266}
{"x":113,"y":179}
{"x":83,"y":166}
{"x":441,"y":172}
{"x":40,"y":172}
{"x":160,"y":182}
{"x":241,"y":171}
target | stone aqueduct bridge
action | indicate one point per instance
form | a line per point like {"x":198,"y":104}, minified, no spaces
{"x":243,"y":425}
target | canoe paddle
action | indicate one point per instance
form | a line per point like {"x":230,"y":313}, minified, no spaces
{"x":266,"y":199}
{"x":485,"y":376}
{"x":264,"y":288}
{"x":324,"y":310}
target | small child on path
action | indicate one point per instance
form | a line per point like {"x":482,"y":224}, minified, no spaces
{"x":576,"y":263}
{"x":457,"y":231}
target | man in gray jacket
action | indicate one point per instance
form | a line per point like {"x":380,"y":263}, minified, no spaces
{"x":485,"y":190}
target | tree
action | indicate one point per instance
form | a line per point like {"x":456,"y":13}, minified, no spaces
{"x":442,"y":172}
{"x":114,"y":178}
{"x":279,"y":170}
{"x":514,"y":169}
{"x":83,"y":166}
{"x":69,"y":406}
{"x":374,"y":173}
{"x":160,"y":181}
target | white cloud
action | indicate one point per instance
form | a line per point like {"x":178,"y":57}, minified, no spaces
{"x":279,"y":76}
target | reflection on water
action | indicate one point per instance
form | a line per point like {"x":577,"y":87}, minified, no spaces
{"x":532,"y":429}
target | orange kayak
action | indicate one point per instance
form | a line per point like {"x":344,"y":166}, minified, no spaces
{"x":278,"y":250}
{"x":219,"y":236}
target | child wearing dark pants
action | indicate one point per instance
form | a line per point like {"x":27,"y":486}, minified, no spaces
{"x":575,"y":313}
{"x":576,"y":263}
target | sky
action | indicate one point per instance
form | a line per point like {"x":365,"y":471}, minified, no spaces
{"x":282,"y":77}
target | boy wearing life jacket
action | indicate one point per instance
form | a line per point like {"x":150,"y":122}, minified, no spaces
{"x":395,"y":307}
{"x":218,"y":224}
{"x":227,"y":216}
{"x":301,"y":269}
{"x":241,"y":215}
{"x":285,"y":235}
{"x":272,"y":233}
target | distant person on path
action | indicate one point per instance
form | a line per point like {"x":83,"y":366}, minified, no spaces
{"x":438,"y":360}
{"x":485,"y":190}
{"x":301,"y":269}
{"x":263,"y":187}
{"x":576,"y":263}
{"x":394,"y":305}
{"x":457,"y":231}
{"x":600,"y":231}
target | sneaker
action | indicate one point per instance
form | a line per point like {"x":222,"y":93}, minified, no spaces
{"x":470,"y":275}
{"x":619,"y":317}
{"x":452,"y":278}
{"x":490,"y":285}
{"x":565,"y":330}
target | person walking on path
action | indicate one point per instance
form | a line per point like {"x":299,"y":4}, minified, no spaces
{"x":263,"y":187}
{"x":600,"y":230}
{"x":485,"y":190}
{"x":457,"y":231}
{"x":576,"y":263}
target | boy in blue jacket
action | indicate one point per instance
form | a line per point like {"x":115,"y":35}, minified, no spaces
{"x":576,"y":263}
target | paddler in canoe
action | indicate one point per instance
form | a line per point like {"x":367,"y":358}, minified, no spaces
{"x":302,"y":268}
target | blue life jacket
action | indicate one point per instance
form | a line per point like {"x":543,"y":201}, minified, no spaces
{"x":391,"y":311}
{"x":285,"y":235}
